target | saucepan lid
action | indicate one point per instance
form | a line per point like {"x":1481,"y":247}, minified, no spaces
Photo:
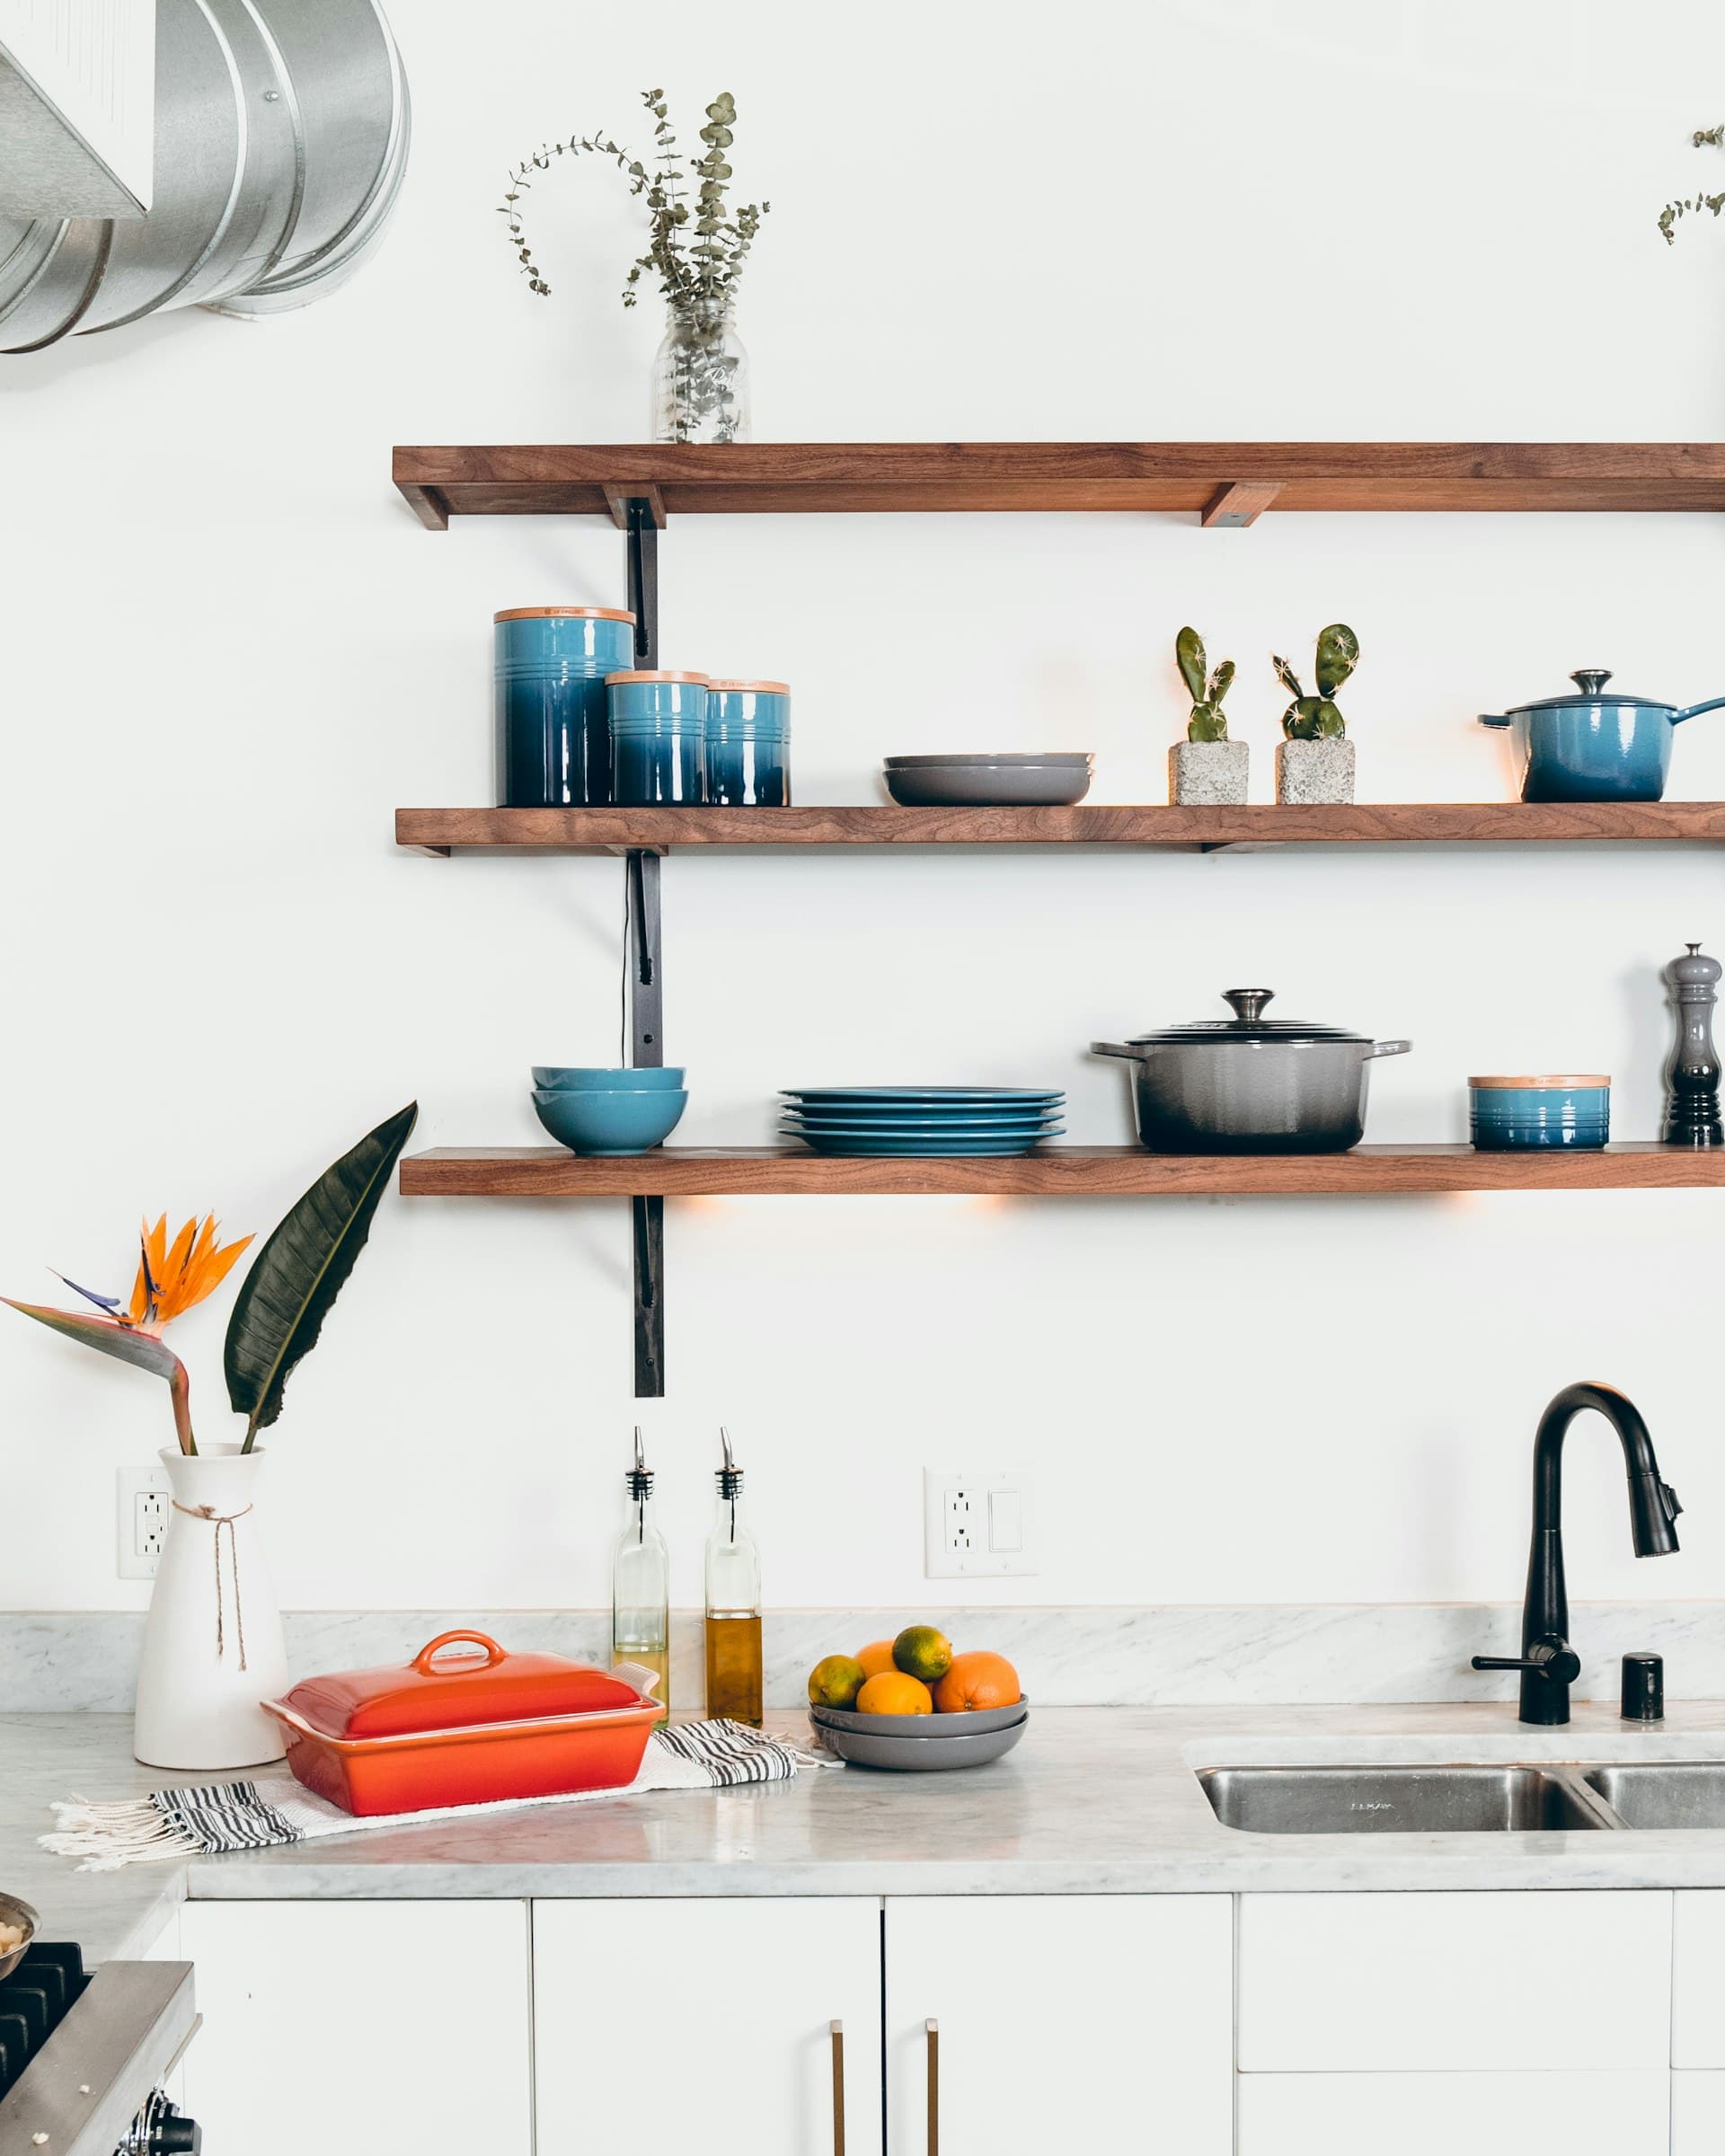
{"x":1248,"y":1023}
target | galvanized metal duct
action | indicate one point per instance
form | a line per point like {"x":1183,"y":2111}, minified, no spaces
{"x":282,"y":130}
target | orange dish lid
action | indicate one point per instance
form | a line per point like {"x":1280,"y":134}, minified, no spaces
{"x":653,"y":673}
{"x":572,"y":614}
{"x":1555,"y":1086}
{"x":436,"y":1691}
{"x":760,"y":688}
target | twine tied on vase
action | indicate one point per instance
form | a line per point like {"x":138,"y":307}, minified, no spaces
{"x":220,"y":1520}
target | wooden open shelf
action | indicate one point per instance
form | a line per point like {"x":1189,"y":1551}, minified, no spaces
{"x":1221,"y":483}
{"x":1052,"y":1171}
{"x":1190,"y":830}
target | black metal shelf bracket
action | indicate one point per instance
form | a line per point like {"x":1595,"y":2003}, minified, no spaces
{"x":643,"y":972}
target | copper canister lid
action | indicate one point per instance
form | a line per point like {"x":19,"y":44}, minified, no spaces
{"x":649,"y":674}
{"x":762,"y":688}
{"x":1556,"y":1086}
{"x":577,"y":613}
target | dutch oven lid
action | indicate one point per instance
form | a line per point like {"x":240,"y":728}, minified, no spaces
{"x":439,"y":1692}
{"x":1589,"y":688}
{"x":1248,"y":1023}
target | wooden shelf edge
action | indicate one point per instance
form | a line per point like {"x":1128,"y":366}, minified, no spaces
{"x":1216,"y":482}
{"x":1144,"y":826}
{"x":1055,"y":1170}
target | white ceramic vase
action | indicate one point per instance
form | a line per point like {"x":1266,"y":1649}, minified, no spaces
{"x":213,"y":1646}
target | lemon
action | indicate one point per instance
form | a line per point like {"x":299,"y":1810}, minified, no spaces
{"x":836,"y":1682}
{"x":921,"y":1652}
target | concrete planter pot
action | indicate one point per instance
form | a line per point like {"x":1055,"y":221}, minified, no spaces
{"x":1310,"y":773}
{"x":1208,"y":775}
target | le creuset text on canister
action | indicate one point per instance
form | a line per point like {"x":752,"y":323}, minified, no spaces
{"x":1249,"y":1083}
{"x":659,"y":724}
{"x":1505,"y":1114}
{"x":1591,"y":746}
{"x":748,"y":744}
{"x":477,"y":1728}
{"x":553,"y":733}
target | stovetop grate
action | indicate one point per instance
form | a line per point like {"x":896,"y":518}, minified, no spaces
{"x":34,"y":2000}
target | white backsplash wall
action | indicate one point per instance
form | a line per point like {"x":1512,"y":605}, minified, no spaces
{"x":229,"y":653}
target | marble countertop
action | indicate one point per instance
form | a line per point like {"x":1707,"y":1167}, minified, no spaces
{"x":1094,"y":1800}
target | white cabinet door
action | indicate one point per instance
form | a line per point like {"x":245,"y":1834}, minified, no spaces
{"x":1413,"y":1983}
{"x":1698,"y":1978}
{"x":368,"y":2028}
{"x":663,"y":2026}
{"x":1442,"y":2114}
{"x":1698,"y":2115}
{"x":1065,"y":2023}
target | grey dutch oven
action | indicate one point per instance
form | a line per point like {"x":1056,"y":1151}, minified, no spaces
{"x":1249,"y":1083}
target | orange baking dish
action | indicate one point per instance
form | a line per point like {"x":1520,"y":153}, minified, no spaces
{"x":472,"y":1728}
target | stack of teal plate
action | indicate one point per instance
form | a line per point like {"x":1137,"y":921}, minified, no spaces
{"x":940,"y":1120}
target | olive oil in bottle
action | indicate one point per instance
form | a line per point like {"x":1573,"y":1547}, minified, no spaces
{"x":733,"y":1605}
{"x":640,"y":1585}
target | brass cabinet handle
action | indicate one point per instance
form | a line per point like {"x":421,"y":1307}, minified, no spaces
{"x":932,"y":2030}
{"x":838,"y":2087}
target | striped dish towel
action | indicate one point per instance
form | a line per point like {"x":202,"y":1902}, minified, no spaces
{"x":269,"y":1809}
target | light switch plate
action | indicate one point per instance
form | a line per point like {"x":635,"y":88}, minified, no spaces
{"x":140,"y":1521}
{"x":977,"y":1526}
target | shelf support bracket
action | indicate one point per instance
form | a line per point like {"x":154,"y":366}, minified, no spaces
{"x":641,"y":526}
{"x":644,"y":990}
{"x":1235,"y":505}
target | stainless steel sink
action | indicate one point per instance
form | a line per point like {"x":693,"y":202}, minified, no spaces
{"x":1662,"y":1793}
{"x":1410,"y":1800}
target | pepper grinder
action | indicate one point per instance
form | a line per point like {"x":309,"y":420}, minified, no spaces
{"x":1692,"y":1069}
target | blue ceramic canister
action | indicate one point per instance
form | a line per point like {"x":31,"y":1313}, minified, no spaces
{"x":1506,"y":1114}
{"x":554,"y":734}
{"x":657,"y":737}
{"x":748,"y":744}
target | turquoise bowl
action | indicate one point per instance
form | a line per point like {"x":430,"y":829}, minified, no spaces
{"x":1508,"y":1115}
{"x":577,"y":1078}
{"x":611,"y":1123}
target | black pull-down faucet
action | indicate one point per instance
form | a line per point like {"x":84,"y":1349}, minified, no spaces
{"x":1548,"y":1664}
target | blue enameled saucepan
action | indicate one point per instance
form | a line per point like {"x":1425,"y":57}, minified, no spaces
{"x":1591,"y":746}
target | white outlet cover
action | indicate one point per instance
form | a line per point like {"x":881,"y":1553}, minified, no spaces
{"x":140,"y":1521}
{"x":977,"y":1525}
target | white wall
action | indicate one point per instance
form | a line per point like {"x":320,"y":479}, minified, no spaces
{"x":229,"y":654}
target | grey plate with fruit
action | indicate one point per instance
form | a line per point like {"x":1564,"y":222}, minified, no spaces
{"x":968,"y":1724}
{"x":921,"y":1755}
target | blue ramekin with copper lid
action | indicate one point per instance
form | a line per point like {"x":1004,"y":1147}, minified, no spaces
{"x":1506,"y":1114}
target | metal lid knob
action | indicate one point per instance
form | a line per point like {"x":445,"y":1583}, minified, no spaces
{"x":1249,"y":1003}
{"x":1590,"y":680}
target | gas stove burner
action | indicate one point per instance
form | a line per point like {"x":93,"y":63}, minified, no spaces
{"x":34,"y":2000}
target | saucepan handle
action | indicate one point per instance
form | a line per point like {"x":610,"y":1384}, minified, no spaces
{"x":1693,"y":711}
{"x":1495,"y":719}
{"x":1114,"y":1047}
{"x":1386,"y":1048}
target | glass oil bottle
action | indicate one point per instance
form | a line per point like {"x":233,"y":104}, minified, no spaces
{"x":734,"y":1689}
{"x":640,"y":1585}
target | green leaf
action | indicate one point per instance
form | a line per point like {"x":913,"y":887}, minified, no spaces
{"x":1189,"y":654}
{"x":299,"y":1272}
{"x":108,"y":1336}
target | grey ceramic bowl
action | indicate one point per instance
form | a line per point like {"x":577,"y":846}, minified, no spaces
{"x":1052,"y":755}
{"x":921,"y":1725}
{"x":14,"y":1911}
{"x":989,"y":785}
{"x":572,"y":1078}
{"x":921,"y":1755}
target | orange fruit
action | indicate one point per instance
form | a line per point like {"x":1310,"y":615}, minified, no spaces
{"x":836,"y":1682}
{"x":893,"y":1692}
{"x":920,"y":1652}
{"x":975,"y":1682}
{"x":876,"y":1657}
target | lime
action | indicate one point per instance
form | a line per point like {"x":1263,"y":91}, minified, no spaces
{"x":836,"y":1682}
{"x":921,"y":1652}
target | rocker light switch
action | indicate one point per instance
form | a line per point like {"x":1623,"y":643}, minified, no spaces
{"x":1006,"y":1521}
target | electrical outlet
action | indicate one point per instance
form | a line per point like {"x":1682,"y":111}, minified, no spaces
{"x":140,"y":1521}
{"x":976,"y":1525}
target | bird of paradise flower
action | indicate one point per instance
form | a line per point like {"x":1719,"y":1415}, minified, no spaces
{"x":172,"y":1279}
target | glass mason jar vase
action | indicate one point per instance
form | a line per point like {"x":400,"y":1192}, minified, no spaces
{"x":701,"y":379}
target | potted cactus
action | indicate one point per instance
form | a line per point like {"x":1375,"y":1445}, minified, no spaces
{"x":1315,"y":763}
{"x":1206,"y":770}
